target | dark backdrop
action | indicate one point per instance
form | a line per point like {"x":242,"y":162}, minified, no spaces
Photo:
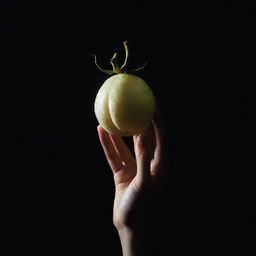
{"x":56,"y":187}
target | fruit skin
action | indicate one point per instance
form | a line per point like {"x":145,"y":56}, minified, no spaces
{"x":125,"y":105}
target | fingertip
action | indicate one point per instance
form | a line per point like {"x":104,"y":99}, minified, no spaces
{"x":103,"y":135}
{"x":140,"y":141}
{"x":144,"y":145}
{"x":100,"y":129}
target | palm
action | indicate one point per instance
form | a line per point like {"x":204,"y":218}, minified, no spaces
{"x":132,"y":174}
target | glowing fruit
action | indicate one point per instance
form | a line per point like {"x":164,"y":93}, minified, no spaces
{"x":125,"y":104}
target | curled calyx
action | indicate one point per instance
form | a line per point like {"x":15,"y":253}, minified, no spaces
{"x":116,"y":69}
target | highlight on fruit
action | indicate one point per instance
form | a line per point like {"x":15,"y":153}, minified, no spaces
{"x":125,"y":105}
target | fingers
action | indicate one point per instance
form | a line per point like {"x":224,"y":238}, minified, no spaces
{"x":121,"y":148}
{"x":144,"y":153}
{"x":112,"y":156}
{"x":159,"y":149}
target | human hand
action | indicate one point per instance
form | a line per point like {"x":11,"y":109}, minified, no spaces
{"x":137,"y":178}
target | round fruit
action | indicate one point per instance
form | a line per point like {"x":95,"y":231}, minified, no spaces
{"x":125,"y":105}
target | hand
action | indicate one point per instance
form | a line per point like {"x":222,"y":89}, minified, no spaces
{"x":138,"y":178}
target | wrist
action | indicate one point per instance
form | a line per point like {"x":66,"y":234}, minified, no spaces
{"x":136,"y":242}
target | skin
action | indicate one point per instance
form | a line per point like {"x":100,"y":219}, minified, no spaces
{"x":138,"y":180}
{"x":125,"y":105}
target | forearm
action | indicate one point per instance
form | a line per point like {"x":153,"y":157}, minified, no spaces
{"x":137,"y":243}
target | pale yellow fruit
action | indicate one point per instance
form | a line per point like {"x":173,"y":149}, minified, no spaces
{"x":125,"y":105}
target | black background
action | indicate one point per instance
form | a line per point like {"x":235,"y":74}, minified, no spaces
{"x":57,"y":189}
